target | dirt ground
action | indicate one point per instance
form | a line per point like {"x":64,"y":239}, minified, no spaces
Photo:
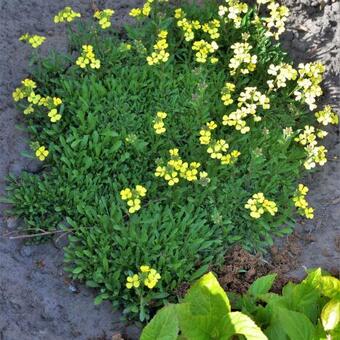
{"x":36,"y":299}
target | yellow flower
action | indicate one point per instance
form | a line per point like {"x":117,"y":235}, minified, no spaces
{"x":67,"y":14}
{"x":126,"y":194}
{"x":152,"y":279}
{"x":135,"y":12}
{"x":54,"y":115}
{"x":41,"y":153}
{"x":145,"y":269}
{"x":29,"y":109}
{"x":159,"y":124}
{"x":159,"y":53}
{"x":104,"y":17}
{"x":88,"y":57}
{"x":258,"y":205}
{"x":133,"y":197}
{"x":326,"y":116}
{"x":18,"y":94}
{"x":34,"y":40}
{"x":141,"y":190}
{"x":132,"y":281}
{"x":301,"y":203}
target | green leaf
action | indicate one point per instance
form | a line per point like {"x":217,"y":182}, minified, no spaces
{"x":77,"y":270}
{"x":261,"y":285}
{"x":296,"y":325}
{"x":206,"y":297}
{"x":198,"y":273}
{"x":100,"y":298}
{"x":243,"y":324}
{"x":330,"y":315}
{"x":330,"y":286}
{"x":164,"y":326}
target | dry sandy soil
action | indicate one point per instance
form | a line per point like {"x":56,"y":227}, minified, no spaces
{"x":36,"y":299}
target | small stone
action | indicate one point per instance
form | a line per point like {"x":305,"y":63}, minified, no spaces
{"x":132,"y":332}
{"x":26,"y":251}
{"x":300,"y":45}
{"x":12,"y":222}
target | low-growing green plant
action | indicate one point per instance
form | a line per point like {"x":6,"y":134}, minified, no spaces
{"x":308,"y":310}
{"x":165,"y":143}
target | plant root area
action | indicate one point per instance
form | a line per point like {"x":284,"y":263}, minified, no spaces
{"x":37,"y":301}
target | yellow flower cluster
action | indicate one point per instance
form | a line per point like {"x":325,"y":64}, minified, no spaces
{"x":133,"y":197}
{"x":41,"y":153}
{"x":148,"y":276}
{"x":34,"y":40}
{"x":205,"y":133}
{"x":25,"y":90}
{"x":176,"y":168}
{"x":315,"y":154}
{"x":275,"y":22}
{"x":248,"y":102}
{"x":104,"y":17}
{"x":142,"y":12}
{"x":51,"y":104}
{"x":88,"y":57}
{"x":67,"y":14}
{"x":217,"y":148}
{"x":308,"y":89}
{"x":212,"y":28}
{"x":226,"y":92}
{"x":258,"y":205}
{"x":160,"y":54}
{"x":301,"y":203}
{"x":187,"y":26}
{"x":242,"y":60}
{"x":233,"y":12}
{"x":282,"y":73}
{"x":203,"y":49}
{"x":159,"y":123}
{"x":327,"y":116}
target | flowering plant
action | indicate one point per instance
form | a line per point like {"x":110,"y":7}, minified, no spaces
{"x":169,"y":145}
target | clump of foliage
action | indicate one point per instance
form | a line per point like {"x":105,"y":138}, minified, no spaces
{"x":167,"y":142}
{"x":308,"y":310}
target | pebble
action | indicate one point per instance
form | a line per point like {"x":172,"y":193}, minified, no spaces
{"x":26,"y":251}
{"x":300,"y":45}
{"x":12,"y":222}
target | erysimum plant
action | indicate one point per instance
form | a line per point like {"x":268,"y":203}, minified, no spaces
{"x":167,"y":142}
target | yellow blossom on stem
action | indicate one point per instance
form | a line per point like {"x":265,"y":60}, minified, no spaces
{"x":34,"y":40}
{"x":133,"y":197}
{"x":41,"y":153}
{"x":301,"y":203}
{"x":327,"y":116}
{"x":152,"y":279}
{"x":66,"y":15}
{"x":233,"y":12}
{"x":132,"y":281}
{"x":159,"y":53}
{"x":258,"y":205}
{"x":159,"y":123}
{"x":88,"y":58}
{"x":104,"y":17}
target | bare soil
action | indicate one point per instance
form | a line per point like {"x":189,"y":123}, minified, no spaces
{"x":37,"y":301}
